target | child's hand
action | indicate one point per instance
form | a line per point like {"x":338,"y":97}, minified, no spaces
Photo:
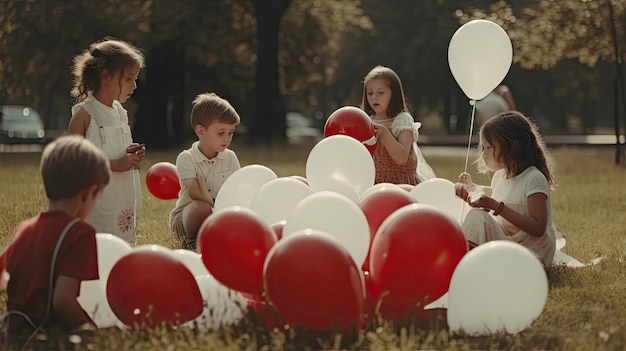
{"x":137,"y":149}
{"x":381,"y":131}
{"x":465,"y":178}
{"x":476,"y":199}
{"x":137,"y":153}
{"x":130,"y":161}
{"x":461,"y":190}
{"x":483,"y":201}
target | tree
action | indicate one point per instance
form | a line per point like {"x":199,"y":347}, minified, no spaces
{"x":544,"y":33}
{"x":38,"y":40}
{"x":269,"y":120}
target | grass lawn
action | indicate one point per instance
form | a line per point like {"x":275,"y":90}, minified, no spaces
{"x":586,"y":307}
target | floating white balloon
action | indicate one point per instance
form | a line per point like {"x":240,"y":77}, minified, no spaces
{"x":480,"y":55}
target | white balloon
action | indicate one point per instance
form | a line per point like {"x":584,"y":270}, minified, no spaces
{"x":239,"y":188}
{"x":192,"y":260}
{"x":110,"y":249}
{"x":499,"y":286}
{"x":92,"y":297}
{"x":222,"y":306}
{"x":274,"y":201}
{"x":93,"y":300}
{"x":378,"y":186}
{"x":335,"y":215}
{"x":480,"y":55}
{"x":341,"y":157}
{"x":339,"y":186}
{"x":439,"y":192}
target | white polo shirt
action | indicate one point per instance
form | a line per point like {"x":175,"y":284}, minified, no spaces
{"x":192,"y":163}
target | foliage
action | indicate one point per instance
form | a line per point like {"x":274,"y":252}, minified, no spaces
{"x":545,"y":32}
{"x":324,"y":50}
{"x":39,"y":38}
{"x":310,"y":61}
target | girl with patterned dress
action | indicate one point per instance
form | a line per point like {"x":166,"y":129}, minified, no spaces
{"x":105,"y":77}
{"x":397,"y":158}
{"x":517,"y":206}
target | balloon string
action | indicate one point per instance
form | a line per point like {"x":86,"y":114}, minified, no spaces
{"x":471,"y":130}
{"x":469,"y":145}
{"x":135,"y":203}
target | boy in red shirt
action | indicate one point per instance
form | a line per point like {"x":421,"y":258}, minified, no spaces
{"x":53,"y":252}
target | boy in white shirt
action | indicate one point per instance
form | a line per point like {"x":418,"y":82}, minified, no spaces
{"x":203,"y":168}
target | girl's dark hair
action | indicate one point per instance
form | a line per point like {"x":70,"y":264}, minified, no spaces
{"x":518,"y":143}
{"x":397,"y":103}
{"x":110,"y":54}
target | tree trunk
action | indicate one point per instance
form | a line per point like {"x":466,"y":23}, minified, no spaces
{"x":159,"y":116}
{"x":268,"y":123}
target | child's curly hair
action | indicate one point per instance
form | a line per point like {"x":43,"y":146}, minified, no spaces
{"x":109,"y":54}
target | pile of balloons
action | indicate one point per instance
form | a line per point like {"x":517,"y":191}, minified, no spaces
{"x":334,"y":232}
{"x":321,"y":251}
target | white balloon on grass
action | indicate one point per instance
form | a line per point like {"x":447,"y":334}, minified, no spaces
{"x":500,"y":286}
{"x":93,"y":300}
{"x":110,"y":249}
{"x":480,"y":55}
{"x":192,"y":260}
{"x":335,"y":215}
{"x":239,"y":188}
{"x":341,"y":157}
{"x":222,"y":306}
{"x":274,"y":201}
{"x":92,"y":297}
{"x":439,"y":192}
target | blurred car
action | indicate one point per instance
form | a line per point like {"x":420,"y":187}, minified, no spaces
{"x":21,"y":125}
{"x":299,"y":128}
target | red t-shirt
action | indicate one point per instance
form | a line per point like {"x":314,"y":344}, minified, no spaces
{"x":28,"y":260}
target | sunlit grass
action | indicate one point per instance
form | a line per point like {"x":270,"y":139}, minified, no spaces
{"x":586,"y":308}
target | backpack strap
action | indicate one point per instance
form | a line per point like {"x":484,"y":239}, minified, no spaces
{"x":55,"y":253}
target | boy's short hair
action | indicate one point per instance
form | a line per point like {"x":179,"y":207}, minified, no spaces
{"x":71,"y":164}
{"x":209,"y":107}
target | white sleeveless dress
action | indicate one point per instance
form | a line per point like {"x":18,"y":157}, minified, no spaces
{"x":117,"y":211}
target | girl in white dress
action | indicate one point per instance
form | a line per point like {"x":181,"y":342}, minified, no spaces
{"x":104,"y":78}
{"x":517,"y":205}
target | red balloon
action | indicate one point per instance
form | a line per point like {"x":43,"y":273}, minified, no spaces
{"x":162,"y":181}
{"x":265,"y":315}
{"x":314,"y":282}
{"x":150,"y":286}
{"x":378,"y":204}
{"x":413,"y":256}
{"x":234,"y":243}
{"x":354,"y":122}
{"x":278,"y":228}
{"x":369,"y":306}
